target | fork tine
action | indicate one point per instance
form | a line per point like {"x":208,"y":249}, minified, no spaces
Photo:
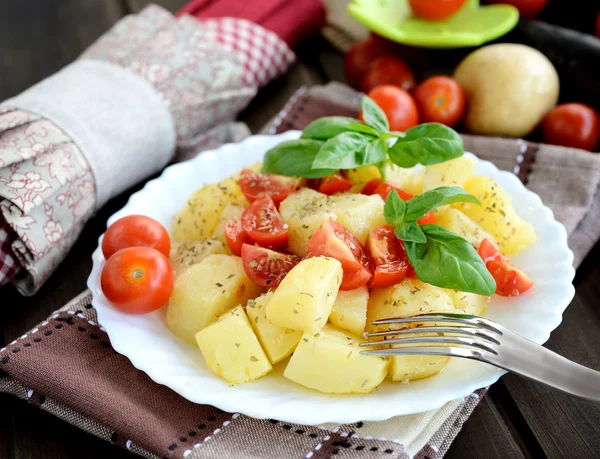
{"x":424,"y":340}
{"x":462,"y":319}
{"x":443,"y":351}
{"x":456,"y":330}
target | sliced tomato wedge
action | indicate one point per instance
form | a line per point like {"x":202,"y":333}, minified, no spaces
{"x":334,"y":184}
{"x":266,"y":267}
{"x":335,"y":241}
{"x":383,"y":189}
{"x":510,"y":280}
{"x":235,"y":236}
{"x":256,"y":186}
{"x":371,"y":186}
{"x":264,"y":225}
{"x":388,"y":256}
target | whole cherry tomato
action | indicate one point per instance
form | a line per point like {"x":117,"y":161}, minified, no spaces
{"x":435,"y":10}
{"x":255,"y":186}
{"x":398,"y":105}
{"x":572,"y":125}
{"x":440,"y":99}
{"x":388,"y":256}
{"x":135,"y":231}
{"x":510,"y":281}
{"x":527,"y":8}
{"x":359,"y":57}
{"x":334,"y":184}
{"x":387,"y":70}
{"x":266,"y":267}
{"x":137,"y":280}
{"x":264,"y":225}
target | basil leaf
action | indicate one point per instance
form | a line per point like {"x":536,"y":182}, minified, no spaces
{"x":449,"y":261}
{"x":441,"y":196}
{"x":373,"y":115}
{"x":428,"y":143}
{"x":410,"y":232}
{"x":344,"y":151}
{"x":394,"y":209}
{"x":376,"y":152}
{"x":330,"y":126}
{"x":295,"y":158}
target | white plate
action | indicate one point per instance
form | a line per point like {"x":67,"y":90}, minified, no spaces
{"x":153,"y":349}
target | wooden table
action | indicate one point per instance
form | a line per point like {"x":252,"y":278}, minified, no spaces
{"x":517,"y":419}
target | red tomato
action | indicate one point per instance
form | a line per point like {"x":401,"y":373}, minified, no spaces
{"x":440,"y":99}
{"x":334,"y":183}
{"x":335,"y":241}
{"x":266,"y":267}
{"x":387,"y":70}
{"x":235,"y":236}
{"x":389,"y":257}
{"x":359,"y":57}
{"x":572,"y":125}
{"x":264,"y":225}
{"x":135,"y":231}
{"x":527,"y":8}
{"x":510,"y":281}
{"x":398,"y":105}
{"x":383,"y":189}
{"x":256,"y":186}
{"x":435,"y":10}
{"x":137,"y":280}
{"x":371,"y":186}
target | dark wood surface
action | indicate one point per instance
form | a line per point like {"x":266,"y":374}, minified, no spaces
{"x":517,"y":418}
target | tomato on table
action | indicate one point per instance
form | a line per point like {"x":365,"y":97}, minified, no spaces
{"x":440,"y":99}
{"x":335,"y":241}
{"x":387,"y":70}
{"x":435,"y":10}
{"x":527,"y":8}
{"x":256,"y":186}
{"x":135,"y":231}
{"x":359,"y":57}
{"x":510,"y":280}
{"x":572,"y":125}
{"x":266,"y":267}
{"x":263,"y":224}
{"x":235,"y":236}
{"x":333,"y":184}
{"x":137,"y":280}
{"x":388,"y":256}
{"x":383,"y":189}
{"x":397,"y":104}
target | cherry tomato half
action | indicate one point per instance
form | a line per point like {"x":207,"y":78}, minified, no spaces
{"x":440,"y":99}
{"x":359,"y":57}
{"x":256,"y":186}
{"x":137,"y":280}
{"x":572,"y":125}
{"x":266,"y":267}
{"x":135,"y":231}
{"x":527,"y":8}
{"x":435,"y":10}
{"x":334,"y":184}
{"x":388,"y":256}
{"x":383,"y":189}
{"x":235,"y":236}
{"x":335,"y":241}
{"x":510,"y":280}
{"x":264,"y":225}
{"x":387,"y":70}
{"x":398,"y":105}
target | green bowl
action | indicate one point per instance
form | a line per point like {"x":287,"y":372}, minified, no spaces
{"x":472,"y":25}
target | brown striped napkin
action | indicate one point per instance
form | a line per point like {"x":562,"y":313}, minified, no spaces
{"x":67,"y":367}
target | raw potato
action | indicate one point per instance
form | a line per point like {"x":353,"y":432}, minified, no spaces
{"x":230,"y":212}
{"x":449,"y":173}
{"x":231,"y":349}
{"x":350,"y":310}
{"x":497,"y":216}
{"x":509,"y":89}
{"x":206,"y":290}
{"x":470,"y":303}
{"x":189,"y":253}
{"x":330,"y":361}
{"x":454,"y":220}
{"x":278,"y":342}
{"x":304,"y":299}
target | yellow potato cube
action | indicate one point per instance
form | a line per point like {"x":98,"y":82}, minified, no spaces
{"x":454,"y":220}
{"x":204,"y":291}
{"x":470,"y":303}
{"x":189,"y":253}
{"x":278,"y":342}
{"x":231,"y":349}
{"x":360,"y":176}
{"x":350,"y":310}
{"x":407,"y":368}
{"x":358,"y":213}
{"x":409,"y":179}
{"x":449,"y":173}
{"x":330,"y":361}
{"x":304,"y":299}
{"x":230,"y":212}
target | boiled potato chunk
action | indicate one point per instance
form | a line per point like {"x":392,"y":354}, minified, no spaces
{"x":449,"y":173}
{"x":202,"y":210}
{"x":497,"y":216}
{"x":412,"y":367}
{"x":454,"y":220}
{"x":470,"y":303}
{"x":330,"y":361}
{"x":360,"y":176}
{"x":189,"y":253}
{"x":278,"y":342}
{"x":350,"y":310}
{"x":231,"y":349}
{"x":409,"y":179}
{"x":230,"y":212}
{"x":304,"y":299}
{"x":206,"y":290}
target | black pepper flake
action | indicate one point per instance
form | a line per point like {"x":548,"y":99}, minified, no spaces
{"x":219,"y":284}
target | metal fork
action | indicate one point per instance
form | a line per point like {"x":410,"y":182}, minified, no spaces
{"x":472,"y":337}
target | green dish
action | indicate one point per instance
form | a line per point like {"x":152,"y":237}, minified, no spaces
{"x":472,"y":25}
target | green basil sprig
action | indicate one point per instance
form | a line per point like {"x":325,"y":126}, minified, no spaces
{"x":438,"y":256}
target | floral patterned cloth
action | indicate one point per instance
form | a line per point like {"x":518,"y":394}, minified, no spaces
{"x":204,"y":72}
